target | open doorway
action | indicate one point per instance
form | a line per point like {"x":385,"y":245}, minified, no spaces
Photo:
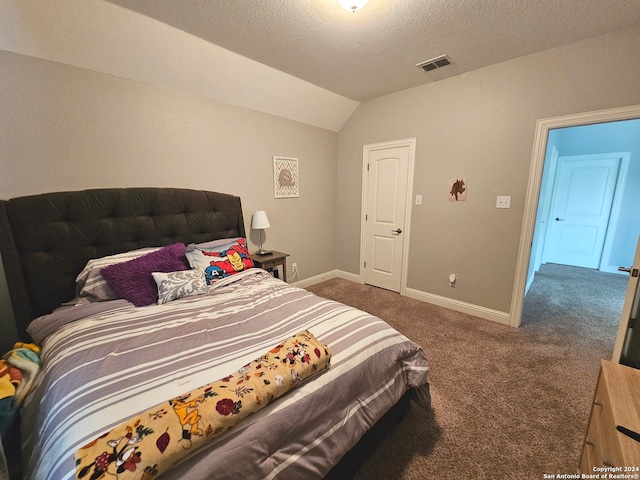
{"x":586,"y":228}
{"x":591,"y":133}
{"x":587,"y":207}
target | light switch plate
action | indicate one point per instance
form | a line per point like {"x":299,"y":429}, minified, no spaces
{"x":418,"y":199}
{"x":503,"y":201}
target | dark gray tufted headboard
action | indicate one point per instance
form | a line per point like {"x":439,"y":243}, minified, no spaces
{"x":46,"y":240}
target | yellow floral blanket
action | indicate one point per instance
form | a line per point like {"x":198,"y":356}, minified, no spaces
{"x":151,"y":443}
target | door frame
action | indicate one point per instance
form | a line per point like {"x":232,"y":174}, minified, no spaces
{"x":406,"y":142}
{"x":533,"y":189}
{"x":630,"y":299}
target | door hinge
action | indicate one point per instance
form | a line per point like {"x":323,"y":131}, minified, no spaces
{"x":366,"y":217}
{"x":632,"y":323}
{"x":365,"y":264}
{"x":367,"y":167}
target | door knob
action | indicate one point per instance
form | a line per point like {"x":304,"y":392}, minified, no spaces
{"x":634,"y":272}
{"x":558,"y":219}
{"x":397,"y":231}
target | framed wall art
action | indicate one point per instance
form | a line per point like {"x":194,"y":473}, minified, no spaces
{"x":286,"y":177}
{"x":458,"y":189}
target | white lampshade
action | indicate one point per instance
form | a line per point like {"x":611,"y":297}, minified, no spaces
{"x":352,"y":5}
{"x":260,"y":220}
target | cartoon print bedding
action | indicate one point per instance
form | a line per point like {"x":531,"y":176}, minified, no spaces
{"x":107,"y":367}
{"x":155,"y":440}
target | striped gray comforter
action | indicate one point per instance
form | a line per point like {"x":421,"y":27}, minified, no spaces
{"x":108,"y":366}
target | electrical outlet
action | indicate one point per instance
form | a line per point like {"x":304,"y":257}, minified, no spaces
{"x":294,"y":267}
{"x":503,"y":201}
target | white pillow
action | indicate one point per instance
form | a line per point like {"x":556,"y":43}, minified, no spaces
{"x":91,"y":285}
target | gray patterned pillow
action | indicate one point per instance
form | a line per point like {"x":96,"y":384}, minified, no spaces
{"x":174,"y":285}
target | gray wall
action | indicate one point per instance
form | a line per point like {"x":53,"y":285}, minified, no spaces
{"x":66,"y":128}
{"x":480,"y":126}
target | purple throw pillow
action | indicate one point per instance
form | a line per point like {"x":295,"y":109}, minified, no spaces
{"x":133,"y":281}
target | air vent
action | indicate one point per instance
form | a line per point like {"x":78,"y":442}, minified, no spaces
{"x":434,"y":63}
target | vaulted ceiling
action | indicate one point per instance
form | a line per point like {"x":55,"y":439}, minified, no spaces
{"x":374,"y":51}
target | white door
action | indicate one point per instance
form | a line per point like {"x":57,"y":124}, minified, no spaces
{"x":627,"y":346}
{"x":580,"y":210}
{"x":387,"y":184}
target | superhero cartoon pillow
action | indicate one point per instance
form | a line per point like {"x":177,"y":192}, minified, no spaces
{"x":220,"y":261}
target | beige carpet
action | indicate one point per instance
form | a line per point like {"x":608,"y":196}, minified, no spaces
{"x":507,"y":403}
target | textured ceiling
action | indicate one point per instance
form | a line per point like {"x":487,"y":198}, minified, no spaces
{"x":374,"y":51}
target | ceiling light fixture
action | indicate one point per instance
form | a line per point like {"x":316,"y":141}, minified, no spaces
{"x":353,"y":5}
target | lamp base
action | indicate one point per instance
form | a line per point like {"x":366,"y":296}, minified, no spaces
{"x":263,"y":252}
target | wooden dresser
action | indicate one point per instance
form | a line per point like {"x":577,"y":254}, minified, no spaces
{"x":616,"y":403}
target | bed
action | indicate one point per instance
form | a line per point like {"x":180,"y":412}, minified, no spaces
{"x":106,"y":361}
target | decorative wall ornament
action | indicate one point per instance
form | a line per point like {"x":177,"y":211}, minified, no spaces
{"x":457,"y":189}
{"x":285,"y":177}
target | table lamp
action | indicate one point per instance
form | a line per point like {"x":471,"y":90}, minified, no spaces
{"x":260,"y":222}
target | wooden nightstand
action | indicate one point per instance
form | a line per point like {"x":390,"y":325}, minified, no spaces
{"x":271,"y":261}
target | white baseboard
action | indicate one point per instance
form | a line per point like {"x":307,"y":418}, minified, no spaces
{"x":307,"y":282}
{"x":352,"y":277}
{"x":612,"y":269}
{"x":456,"y":305}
